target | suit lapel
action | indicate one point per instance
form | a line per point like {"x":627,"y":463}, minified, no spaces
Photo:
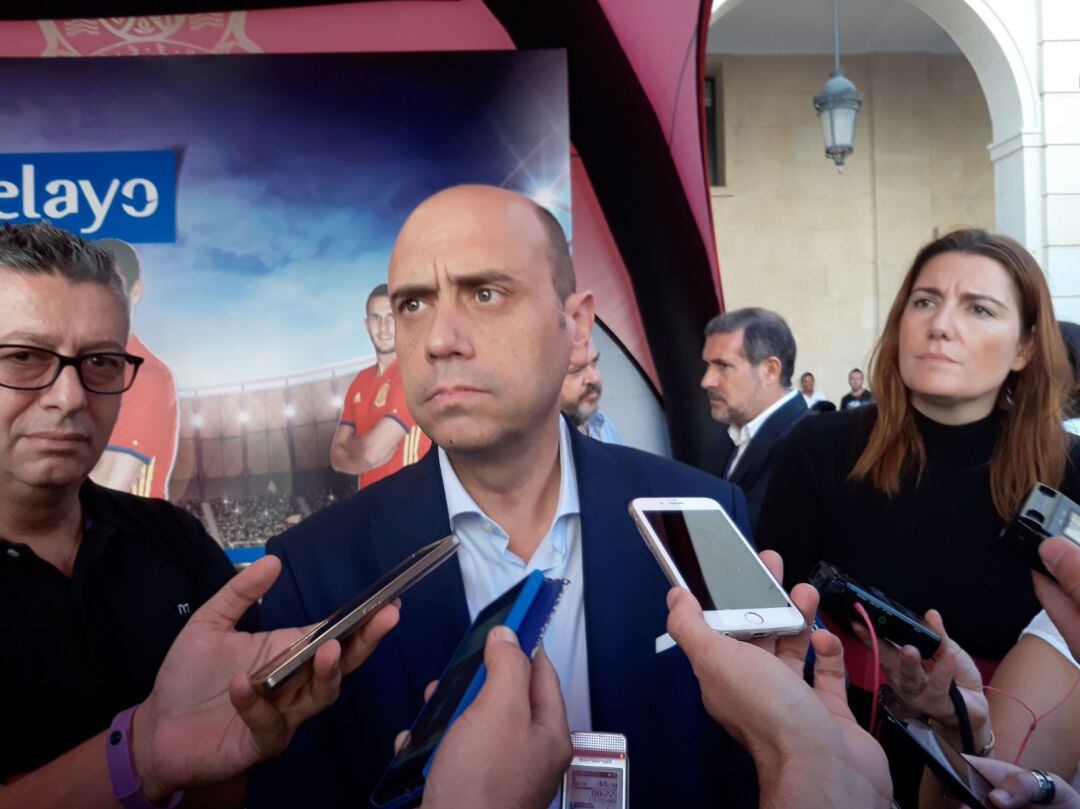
{"x":749,"y":466}
{"x":434,"y":613}
{"x":624,"y":592}
{"x":723,"y":450}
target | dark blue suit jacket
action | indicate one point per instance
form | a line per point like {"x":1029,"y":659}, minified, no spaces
{"x":752,"y":472}
{"x":678,"y":756}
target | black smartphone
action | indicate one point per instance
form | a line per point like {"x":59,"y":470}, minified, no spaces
{"x":351,"y":616}
{"x":1045,"y":513}
{"x":892,"y":621}
{"x":526,"y":608}
{"x":904,"y":725}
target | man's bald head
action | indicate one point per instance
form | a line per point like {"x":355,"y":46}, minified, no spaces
{"x":558,"y":249}
{"x":485,"y":317}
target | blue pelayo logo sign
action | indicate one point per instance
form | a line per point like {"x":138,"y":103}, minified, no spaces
{"x":126,"y":195}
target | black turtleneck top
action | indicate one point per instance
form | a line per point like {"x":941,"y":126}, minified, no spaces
{"x":933,"y":545}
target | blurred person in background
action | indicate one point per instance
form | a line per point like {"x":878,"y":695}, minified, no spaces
{"x":806,"y":388}
{"x":581,"y":392}
{"x":858,"y":396}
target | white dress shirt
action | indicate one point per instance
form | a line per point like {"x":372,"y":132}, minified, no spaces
{"x":741,"y":436}
{"x":489,"y":569}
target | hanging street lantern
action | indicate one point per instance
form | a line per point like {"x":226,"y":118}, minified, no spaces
{"x":837,"y":105}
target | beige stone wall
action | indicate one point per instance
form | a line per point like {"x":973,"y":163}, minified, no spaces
{"x":827,"y":250}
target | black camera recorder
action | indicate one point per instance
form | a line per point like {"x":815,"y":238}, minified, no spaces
{"x":1045,"y":513}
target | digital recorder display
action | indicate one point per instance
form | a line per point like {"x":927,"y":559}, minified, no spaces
{"x":593,"y":788}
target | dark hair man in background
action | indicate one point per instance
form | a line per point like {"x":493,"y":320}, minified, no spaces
{"x":376,"y":436}
{"x":749,"y":356}
{"x":487,"y":316}
{"x":142,"y":448}
{"x":806,"y":388}
{"x":859,"y":396}
{"x":581,"y":391}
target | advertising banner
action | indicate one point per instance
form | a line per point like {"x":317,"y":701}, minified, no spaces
{"x":251,"y":203}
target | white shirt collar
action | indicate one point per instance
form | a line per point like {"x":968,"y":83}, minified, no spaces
{"x":459,"y":502}
{"x":741,"y":436}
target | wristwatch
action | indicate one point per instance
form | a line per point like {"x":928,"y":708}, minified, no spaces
{"x":126,"y":784}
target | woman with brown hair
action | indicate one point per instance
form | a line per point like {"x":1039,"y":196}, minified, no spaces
{"x":909,"y":495}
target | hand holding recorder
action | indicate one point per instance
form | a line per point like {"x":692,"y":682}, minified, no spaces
{"x":925,"y":684}
{"x":807,"y":746}
{"x":1061,"y":598}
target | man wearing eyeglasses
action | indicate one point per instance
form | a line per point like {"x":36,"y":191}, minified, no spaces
{"x":95,"y":584}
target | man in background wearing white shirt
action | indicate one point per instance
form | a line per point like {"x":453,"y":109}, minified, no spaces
{"x":806,"y":388}
{"x":749,"y":356}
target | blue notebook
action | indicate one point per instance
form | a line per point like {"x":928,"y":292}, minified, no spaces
{"x":526,"y":608}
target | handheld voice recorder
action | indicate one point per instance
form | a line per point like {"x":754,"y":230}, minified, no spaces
{"x":1045,"y":513}
{"x":599,"y":773}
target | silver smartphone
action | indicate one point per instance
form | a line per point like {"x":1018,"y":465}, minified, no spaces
{"x":700,"y":548}
{"x":351,"y":616}
{"x":599,"y":773}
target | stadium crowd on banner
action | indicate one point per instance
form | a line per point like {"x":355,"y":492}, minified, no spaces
{"x":907,"y":636}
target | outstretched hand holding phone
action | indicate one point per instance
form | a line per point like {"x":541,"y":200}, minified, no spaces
{"x":203,"y":722}
{"x":190,"y":717}
{"x":806,"y":744}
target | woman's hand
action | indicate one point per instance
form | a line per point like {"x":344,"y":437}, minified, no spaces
{"x":1015,"y":787}
{"x":924,"y":684}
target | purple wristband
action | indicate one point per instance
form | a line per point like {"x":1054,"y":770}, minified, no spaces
{"x":126,"y":784}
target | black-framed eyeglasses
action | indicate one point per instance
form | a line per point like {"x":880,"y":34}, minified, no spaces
{"x":34,"y":368}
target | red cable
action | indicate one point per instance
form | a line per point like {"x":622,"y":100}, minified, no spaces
{"x":1035,"y":720}
{"x":859,"y":608}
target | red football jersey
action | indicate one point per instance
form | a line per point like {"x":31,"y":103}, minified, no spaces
{"x":372,"y":397}
{"x":149,"y":422}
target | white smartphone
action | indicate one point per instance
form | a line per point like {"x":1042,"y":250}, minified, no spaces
{"x":698,"y":547}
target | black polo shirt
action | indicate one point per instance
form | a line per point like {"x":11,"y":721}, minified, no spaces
{"x":75,"y":652}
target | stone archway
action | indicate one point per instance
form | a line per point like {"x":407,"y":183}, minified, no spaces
{"x":991,"y":35}
{"x":1004,"y":62}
